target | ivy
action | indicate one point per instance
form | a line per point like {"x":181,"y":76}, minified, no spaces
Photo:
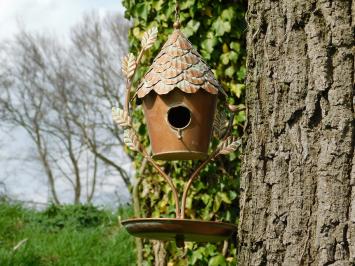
{"x":216,"y":28}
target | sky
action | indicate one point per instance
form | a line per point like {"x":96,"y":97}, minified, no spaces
{"x":57,"y":17}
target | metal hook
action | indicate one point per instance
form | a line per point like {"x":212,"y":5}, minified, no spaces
{"x":179,"y":239}
{"x":179,"y":133}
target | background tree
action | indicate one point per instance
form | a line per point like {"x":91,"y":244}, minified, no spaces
{"x":216,"y":29}
{"x":61,"y":95}
{"x":297,"y":204}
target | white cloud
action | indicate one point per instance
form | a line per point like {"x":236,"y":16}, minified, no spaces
{"x":48,"y":15}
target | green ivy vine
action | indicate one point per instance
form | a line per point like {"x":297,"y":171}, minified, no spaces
{"x":217,"y":30}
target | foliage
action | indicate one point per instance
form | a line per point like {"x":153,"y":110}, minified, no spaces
{"x":216,"y":29}
{"x":68,"y":235}
{"x":78,"y":217}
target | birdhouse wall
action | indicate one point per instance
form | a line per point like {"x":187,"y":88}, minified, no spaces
{"x":188,"y":143}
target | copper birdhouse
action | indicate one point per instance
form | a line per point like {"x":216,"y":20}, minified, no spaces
{"x":179,"y":94}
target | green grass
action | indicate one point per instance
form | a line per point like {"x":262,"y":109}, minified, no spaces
{"x":68,"y":235}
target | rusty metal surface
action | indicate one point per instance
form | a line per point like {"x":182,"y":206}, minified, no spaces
{"x":178,"y":65}
{"x":172,"y":229}
{"x":195,"y":138}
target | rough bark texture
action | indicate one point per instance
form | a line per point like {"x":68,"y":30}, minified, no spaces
{"x":298,"y":182}
{"x":160,"y":258}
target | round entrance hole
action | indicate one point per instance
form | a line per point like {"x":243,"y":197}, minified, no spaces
{"x":179,"y":117}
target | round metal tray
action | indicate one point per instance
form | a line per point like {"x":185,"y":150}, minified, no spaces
{"x":179,"y":229}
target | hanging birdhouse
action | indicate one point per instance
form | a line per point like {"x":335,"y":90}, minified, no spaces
{"x":179,"y":94}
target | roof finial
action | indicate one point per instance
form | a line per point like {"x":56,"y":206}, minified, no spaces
{"x":177,"y":15}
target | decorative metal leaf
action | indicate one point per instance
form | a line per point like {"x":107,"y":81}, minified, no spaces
{"x":219,"y":124}
{"x":130,"y":139}
{"x":120,"y":117}
{"x":129,"y":65}
{"x":149,"y":38}
{"x":229,"y":145}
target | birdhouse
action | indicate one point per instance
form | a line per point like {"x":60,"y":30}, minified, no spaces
{"x":179,"y":95}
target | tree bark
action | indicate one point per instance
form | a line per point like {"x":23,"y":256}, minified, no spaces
{"x":160,"y":258}
{"x":298,"y":174}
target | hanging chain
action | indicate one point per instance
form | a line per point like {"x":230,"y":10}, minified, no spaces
{"x":177,"y":15}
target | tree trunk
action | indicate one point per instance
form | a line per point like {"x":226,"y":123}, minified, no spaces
{"x":298,"y":177}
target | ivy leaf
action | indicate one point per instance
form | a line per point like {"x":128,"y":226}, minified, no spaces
{"x":187,"y":4}
{"x":228,"y":14}
{"x":205,"y":198}
{"x":157,"y":5}
{"x":233,"y":56}
{"x":232,"y":195}
{"x":218,"y":260}
{"x":190,"y":28}
{"x":225,"y":58}
{"x":230,"y":71}
{"x":241,"y":73}
{"x":237,"y":89}
{"x":209,"y":44}
{"x":142,"y":10}
{"x":210,"y":249}
{"x":224,"y":197}
{"x":221,"y":27}
{"x":235,"y":46}
{"x":137,"y":32}
{"x":208,"y":11}
{"x":217,"y":203}
{"x":196,"y":256}
{"x":219,"y":198}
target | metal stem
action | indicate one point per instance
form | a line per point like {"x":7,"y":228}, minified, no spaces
{"x":167,"y":179}
{"x":192,"y":178}
{"x":128,"y":92}
{"x":194,"y":175}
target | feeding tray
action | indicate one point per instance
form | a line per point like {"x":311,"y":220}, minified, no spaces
{"x":171,"y":229}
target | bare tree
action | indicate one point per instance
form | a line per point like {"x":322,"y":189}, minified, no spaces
{"x":22,"y":97}
{"x":62,"y":96}
{"x":96,"y":50}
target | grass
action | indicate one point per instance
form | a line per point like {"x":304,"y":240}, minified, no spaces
{"x":67,"y":235}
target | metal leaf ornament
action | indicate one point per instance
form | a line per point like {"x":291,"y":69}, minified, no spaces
{"x":129,"y":65}
{"x":120,"y":117}
{"x":219,"y":124}
{"x":131,"y":140}
{"x":149,"y":38}
{"x":229,"y":145}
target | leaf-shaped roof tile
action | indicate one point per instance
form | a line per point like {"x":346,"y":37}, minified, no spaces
{"x":178,"y":65}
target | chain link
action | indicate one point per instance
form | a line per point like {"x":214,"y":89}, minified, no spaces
{"x":177,"y":11}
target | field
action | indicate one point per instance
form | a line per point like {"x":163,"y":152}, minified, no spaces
{"x":67,"y":235}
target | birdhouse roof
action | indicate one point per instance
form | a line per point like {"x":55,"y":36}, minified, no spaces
{"x":178,"y":65}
